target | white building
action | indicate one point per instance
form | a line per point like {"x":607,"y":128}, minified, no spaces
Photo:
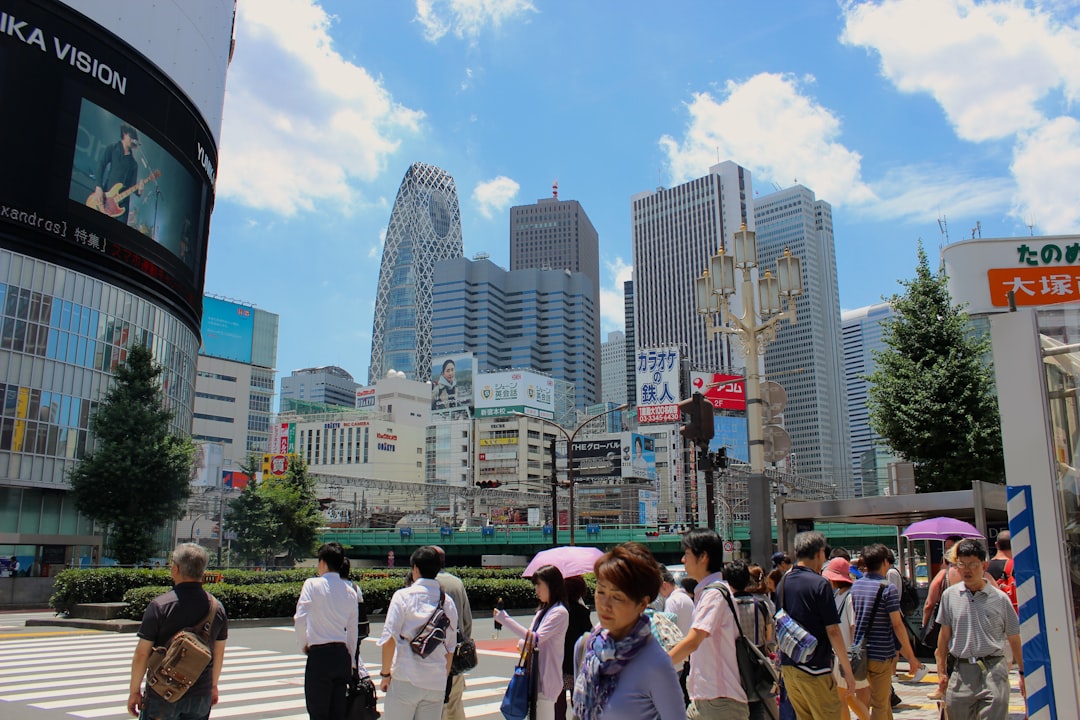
{"x":613,"y":368}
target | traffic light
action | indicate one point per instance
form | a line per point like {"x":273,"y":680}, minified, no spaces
{"x":706,"y":419}
{"x":692,"y":429}
{"x":721,"y":458}
{"x":488,"y":484}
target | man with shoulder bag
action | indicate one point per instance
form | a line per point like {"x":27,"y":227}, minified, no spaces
{"x":185,"y":614}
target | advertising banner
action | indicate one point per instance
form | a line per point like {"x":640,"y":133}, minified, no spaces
{"x":648,"y":503}
{"x":658,"y":385}
{"x":500,"y":394}
{"x":724,"y":391}
{"x":228,"y":330}
{"x":365,"y":398}
{"x":639,"y":457}
{"x":452,"y":386}
{"x":209,"y":459}
{"x":598,"y":458}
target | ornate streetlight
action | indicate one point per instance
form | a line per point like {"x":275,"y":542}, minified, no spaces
{"x":714,"y":290}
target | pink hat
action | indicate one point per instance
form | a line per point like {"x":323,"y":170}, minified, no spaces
{"x":839,"y":570}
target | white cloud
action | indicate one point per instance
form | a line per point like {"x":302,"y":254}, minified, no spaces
{"x":923,"y":193}
{"x":612,"y":306}
{"x":1046,"y":164}
{"x":466,"y":18}
{"x":302,"y":124}
{"x":989,"y":65}
{"x":769,"y":125}
{"x":494,"y":195}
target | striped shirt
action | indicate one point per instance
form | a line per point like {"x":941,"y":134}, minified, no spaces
{"x":980,"y":621}
{"x":882,"y":643}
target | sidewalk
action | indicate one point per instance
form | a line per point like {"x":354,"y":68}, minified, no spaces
{"x":916,"y":705}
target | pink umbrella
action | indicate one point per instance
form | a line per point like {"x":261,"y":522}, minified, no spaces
{"x":941,"y":528}
{"x":571,"y":560}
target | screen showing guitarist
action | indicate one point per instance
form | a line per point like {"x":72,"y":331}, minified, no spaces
{"x":117,"y":174}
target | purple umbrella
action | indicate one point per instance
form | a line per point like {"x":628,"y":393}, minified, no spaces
{"x":571,"y":560}
{"x":941,"y":528}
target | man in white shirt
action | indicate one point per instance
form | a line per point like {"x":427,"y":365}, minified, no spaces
{"x":679,"y":602}
{"x":415,"y":685}
{"x":326,"y":630}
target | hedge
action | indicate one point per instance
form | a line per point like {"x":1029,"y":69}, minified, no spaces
{"x":251,"y":594}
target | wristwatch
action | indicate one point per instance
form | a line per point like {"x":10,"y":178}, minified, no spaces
{"x":382,"y":674}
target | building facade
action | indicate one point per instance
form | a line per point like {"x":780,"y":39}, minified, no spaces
{"x":630,"y":378}
{"x":675,"y":232}
{"x":862,"y":332}
{"x":806,"y":356}
{"x":81,"y":279}
{"x":528,"y":319}
{"x":613,"y":368}
{"x":555,"y":234}
{"x":425,"y":227}
{"x":329,"y":384}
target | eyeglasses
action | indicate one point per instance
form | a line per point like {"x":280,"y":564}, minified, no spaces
{"x":977,"y":565}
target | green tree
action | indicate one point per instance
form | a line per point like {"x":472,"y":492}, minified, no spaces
{"x":931,"y":395}
{"x":137,"y":476}
{"x":250,"y":517}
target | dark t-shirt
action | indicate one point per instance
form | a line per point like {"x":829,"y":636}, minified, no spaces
{"x":580,"y":623}
{"x":116,"y":167}
{"x":808,"y":599}
{"x":182,"y":607}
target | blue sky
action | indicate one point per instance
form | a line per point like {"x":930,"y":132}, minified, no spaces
{"x":899,"y":113}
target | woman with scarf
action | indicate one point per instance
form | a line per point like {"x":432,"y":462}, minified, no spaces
{"x":547,"y":634}
{"x":624,"y":673}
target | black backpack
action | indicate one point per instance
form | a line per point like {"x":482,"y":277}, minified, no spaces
{"x":909,"y":596}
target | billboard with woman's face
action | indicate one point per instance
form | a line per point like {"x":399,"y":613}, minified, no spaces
{"x":452,"y":386}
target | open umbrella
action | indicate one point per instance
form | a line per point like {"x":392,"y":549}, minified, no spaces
{"x":571,"y":560}
{"x":941,"y":528}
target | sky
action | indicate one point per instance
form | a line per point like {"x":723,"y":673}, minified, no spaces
{"x":907,"y":116}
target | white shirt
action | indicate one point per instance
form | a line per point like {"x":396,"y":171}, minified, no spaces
{"x":326,"y":612}
{"x":681,"y":604}
{"x":409,"y":610}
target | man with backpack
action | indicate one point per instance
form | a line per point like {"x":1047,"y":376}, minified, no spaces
{"x":755,"y":616}
{"x":183,"y":607}
{"x":418,"y":641}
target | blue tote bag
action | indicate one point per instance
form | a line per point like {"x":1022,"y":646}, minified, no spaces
{"x":515,"y":703}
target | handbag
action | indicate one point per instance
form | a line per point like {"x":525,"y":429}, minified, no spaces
{"x":793,"y":639}
{"x":464,"y":658}
{"x":756,"y":672}
{"x":857,"y":652}
{"x":360,"y":696}
{"x":515,"y":702}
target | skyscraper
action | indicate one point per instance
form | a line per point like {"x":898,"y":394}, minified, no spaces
{"x":556,"y":234}
{"x":613,"y":368}
{"x":805,"y":357}
{"x":481,"y":308}
{"x":862,"y":337}
{"x":425,"y":227}
{"x":675,"y":231}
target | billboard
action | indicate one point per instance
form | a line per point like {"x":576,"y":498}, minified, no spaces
{"x":499,"y":394}
{"x":452,"y":386}
{"x":228,"y":330}
{"x":648,"y":503}
{"x":727,"y":392}
{"x":658,"y":385}
{"x":597,"y":458}
{"x":111,"y":166}
{"x":731,"y":431}
{"x":209,"y":459}
{"x":639,"y":457}
{"x":365,"y":398}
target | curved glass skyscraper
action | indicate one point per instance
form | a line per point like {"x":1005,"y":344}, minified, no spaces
{"x":425,"y":227}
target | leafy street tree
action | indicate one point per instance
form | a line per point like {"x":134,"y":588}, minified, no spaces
{"x":931,"y":395}
{"x":137,"y":476}
{"x":278,"y":514}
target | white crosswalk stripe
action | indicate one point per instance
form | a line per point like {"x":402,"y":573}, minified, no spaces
{"x":86,"y":676}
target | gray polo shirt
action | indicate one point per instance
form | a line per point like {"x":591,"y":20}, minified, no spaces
{"x":980,"y":621}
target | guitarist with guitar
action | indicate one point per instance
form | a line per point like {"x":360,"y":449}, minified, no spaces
{"x":118,"y":171}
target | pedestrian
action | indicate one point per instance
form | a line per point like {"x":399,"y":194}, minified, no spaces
{"x":547,"y":635}
{"x":13,"y":566}
{"x":499,"y":605}
{"x":755,"y":619}
{"x":977,"y":625}
{"x":579,"y":624}
{"x":885,"y":633}
{"x":667,"y":586}
{"x":1003,"y":543}
{"x":415,"y":686}
{"x":838,"y":573}
{"x":714,"y":684}
{"x":624,"y":672}
{"x":326,"y":622}
{"x":808,"y":598}
{"x":680,"y":603}
{"x":186,"y":605}
{"x":454,"y":709}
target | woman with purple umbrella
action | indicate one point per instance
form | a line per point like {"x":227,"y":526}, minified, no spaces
{"x":547,"y":635}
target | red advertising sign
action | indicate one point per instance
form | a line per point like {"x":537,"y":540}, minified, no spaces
{"x":725,"y":392}
{"x":279,"y":464}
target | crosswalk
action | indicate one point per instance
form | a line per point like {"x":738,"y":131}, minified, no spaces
{"x":86,"y":676}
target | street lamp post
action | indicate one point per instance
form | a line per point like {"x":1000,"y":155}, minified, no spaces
{"x":570,"y":460}
{"x":714,"y":290}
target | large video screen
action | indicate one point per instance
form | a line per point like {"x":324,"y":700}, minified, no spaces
{"x":228,"y":329}
{"x":108,"y":166}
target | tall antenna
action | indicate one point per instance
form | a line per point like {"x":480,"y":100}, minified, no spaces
{"x":977,"y":230}
{"x":943,"y":226}
{"x":1031,"y":226}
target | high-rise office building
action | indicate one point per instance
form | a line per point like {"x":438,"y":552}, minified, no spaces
{"x":330,"y":385}
{"x":425,"y":227}
{"x":862,"y":333}
{"x":483,"y":309}
{"x":675,"y":231}
{"x":557,"y":234}
{"x":81,"y":279}
{"x":630,"y":379}
{"x":613,"y":368}
{"x":805,"y":357}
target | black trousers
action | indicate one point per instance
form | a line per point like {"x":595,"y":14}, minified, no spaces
{"x":326,"y":676}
